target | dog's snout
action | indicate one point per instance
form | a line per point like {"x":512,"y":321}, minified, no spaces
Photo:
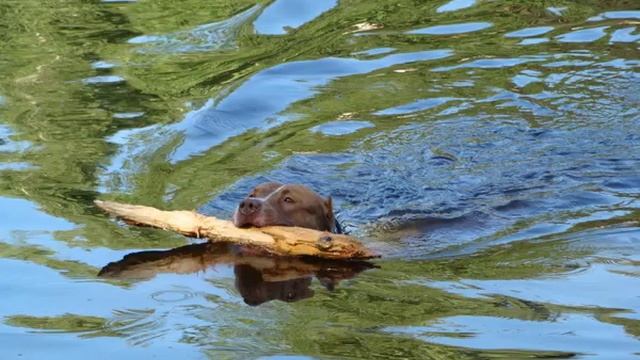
{"x":249,"y":206}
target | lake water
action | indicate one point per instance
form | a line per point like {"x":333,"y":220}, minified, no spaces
{"x":489,"y":150}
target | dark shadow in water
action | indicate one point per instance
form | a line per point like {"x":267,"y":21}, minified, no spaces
{"x":259,"y":278}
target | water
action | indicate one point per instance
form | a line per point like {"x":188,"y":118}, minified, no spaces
{"x":490,"y":150}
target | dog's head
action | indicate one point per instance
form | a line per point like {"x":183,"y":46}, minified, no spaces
{"x":285,"y":204}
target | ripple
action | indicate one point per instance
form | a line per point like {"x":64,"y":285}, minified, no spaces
{"x":208,"y":37}
{"x":625,"y":35}
{"x":568,"y":63}
{"x":557,"y":10}
{"x":16,"y":166}
{"x":244,"y":109}
{"x":128,"y":115}
{"x":617,"y":15}
{"x":522,"y":80}
{"x":583,"y":36}
{"x":342,"y":127}
{"x":171,"y":296}
{"x":626,"y":183}
{"x":419,"y":105}
{"x":455,"y":5}
{"x":99,"y":65}
{"x":293,"y":82}
{"x":534,"y":41}
{"x":452,"y":29}
{"x":134,"y":145}
{"x":103,"y":79}
{"x":23,"y":215}
{"x":622,"y":64}
{"x":566,"y":333}
{"x":8,"y":145}
{"x":146,"y":39}
{"x":523,"y":146}
{"x":282,"y":16}
{"x":376,"y":51}
{"x":529,"y":32}
{"x":527,"y":106}
{"x":492,"y":63}
{"x":549,"y":290}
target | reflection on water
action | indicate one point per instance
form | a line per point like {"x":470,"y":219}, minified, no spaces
{"x":487,"y":332}
{"x":342,"y":127}
{"x":285,"y":15}
{"x":454,"y":5}
{"x":529,"y":32}
{"x":208,"y":37}
{"x":586,"y":35}
{"x":258,"y":278}
{"x":489,"y":150}
{"x":246,"y":108}
{"x":452,"y":29}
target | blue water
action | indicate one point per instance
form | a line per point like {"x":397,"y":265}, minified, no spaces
{"x":490,"y":151}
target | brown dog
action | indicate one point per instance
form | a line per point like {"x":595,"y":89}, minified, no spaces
{"x":274,"y":203}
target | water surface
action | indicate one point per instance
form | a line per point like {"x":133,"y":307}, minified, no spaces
{"x":490,"y":150}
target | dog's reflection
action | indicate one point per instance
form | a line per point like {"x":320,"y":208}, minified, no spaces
{"x":259,"y":278}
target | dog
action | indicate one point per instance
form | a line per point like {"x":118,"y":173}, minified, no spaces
{"x":274,"y":203}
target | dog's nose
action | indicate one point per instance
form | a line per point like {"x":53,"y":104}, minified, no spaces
{"x":249,"y":206}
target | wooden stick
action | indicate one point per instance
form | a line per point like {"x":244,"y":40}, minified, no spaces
{"x":278,"y":240}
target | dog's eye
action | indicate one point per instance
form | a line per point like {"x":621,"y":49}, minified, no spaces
{"x":252,"y":195}
{"x":288,"y":200}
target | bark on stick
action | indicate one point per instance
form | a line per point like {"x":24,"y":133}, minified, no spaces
{"x":278,"y":240}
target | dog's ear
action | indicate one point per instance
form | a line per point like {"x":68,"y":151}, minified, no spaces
{"x":328,"y":207}
{"x":328,"y":213}
{"x":334,"y":225}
